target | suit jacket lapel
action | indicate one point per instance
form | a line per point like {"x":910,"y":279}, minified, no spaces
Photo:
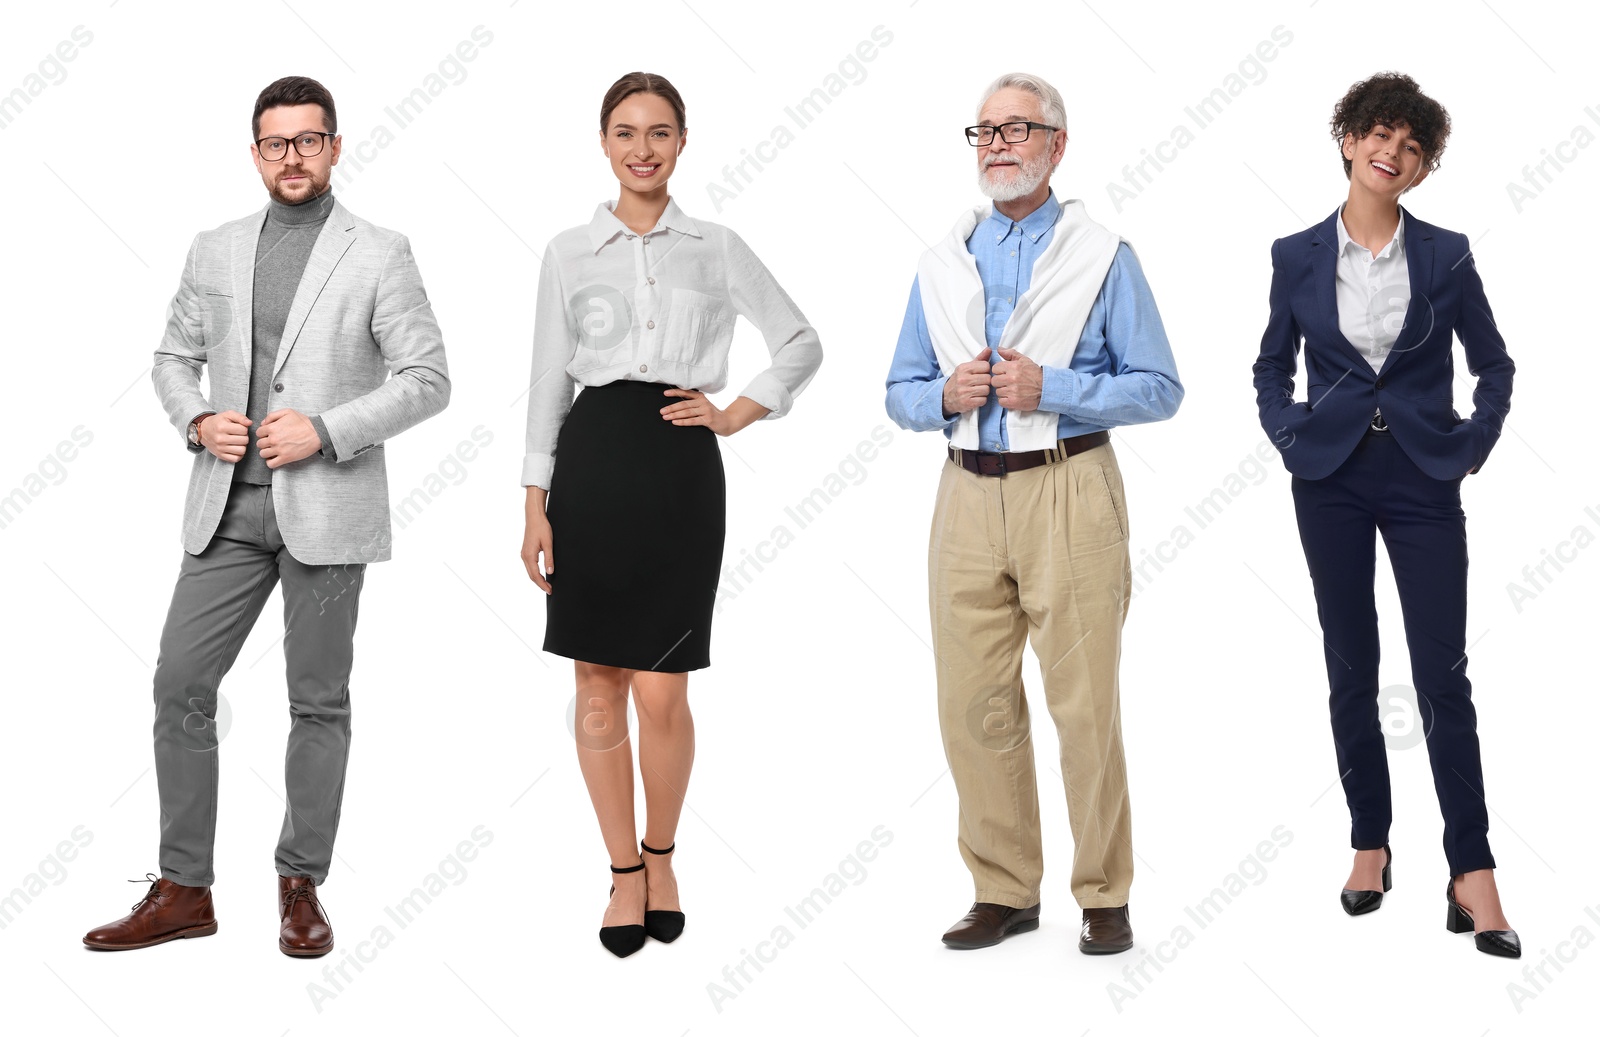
{"x":245,"y":240}
{"x":1324,"y":257}
{"x":334,"y":241}
{"x":1419,"y":312}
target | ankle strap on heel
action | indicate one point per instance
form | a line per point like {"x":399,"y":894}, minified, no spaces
{"x":651,"y":849}
{"x":626,"y":871}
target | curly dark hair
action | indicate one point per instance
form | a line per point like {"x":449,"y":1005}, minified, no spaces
{"x":1393,"y":99}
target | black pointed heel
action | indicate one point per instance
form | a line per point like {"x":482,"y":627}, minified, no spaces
{"x":664,"y":926}
{"x":623,"y":940}
{"x":1363,"y":901}
{"x":1502,"y":943}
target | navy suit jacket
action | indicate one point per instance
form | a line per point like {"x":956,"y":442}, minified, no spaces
{"x":1414,"y":387}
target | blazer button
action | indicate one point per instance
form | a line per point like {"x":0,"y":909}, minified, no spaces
{"x":1379,"y":385}
{"x":278,"y":387}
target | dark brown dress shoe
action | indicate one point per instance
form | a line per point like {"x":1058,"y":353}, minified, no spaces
{"x":167,"y":912}
{"x":987,"y":924}
{"x":1106,"y":930}
{"x":305,"y":931}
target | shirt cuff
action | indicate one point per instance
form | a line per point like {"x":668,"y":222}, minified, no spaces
{"x":326,"y":450}
{"x":932,"y":406}
{"x":536,"y":469}
{"x":767,"y":390}
{"x":1059,"y":394}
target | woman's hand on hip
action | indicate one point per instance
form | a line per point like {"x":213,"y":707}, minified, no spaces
{"x":697,"y":409}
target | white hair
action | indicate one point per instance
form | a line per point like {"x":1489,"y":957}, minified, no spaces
{"x":1051,"y":108}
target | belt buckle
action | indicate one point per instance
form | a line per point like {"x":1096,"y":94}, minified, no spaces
{"x":1378,"y":424}
{"x":991,"y":464}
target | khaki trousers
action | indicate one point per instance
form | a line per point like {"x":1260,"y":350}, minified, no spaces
{"x":1041,"y":554}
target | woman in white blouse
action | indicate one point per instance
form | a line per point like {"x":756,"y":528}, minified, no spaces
{"x":637,"y":306}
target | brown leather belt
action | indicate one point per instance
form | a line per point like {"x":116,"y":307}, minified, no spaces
{"x":980,"y":463}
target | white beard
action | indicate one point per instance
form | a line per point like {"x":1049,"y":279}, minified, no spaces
{"x":1029,"y":176}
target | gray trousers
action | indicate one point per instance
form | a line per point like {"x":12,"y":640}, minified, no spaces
{"x":219,"y":594}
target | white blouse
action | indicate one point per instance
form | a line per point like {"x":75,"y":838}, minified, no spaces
{"x":1372,"y":292}
{"x":655,"y":307}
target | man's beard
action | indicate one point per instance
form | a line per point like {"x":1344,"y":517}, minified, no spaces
{"x":317,"y":187}
{"x":1029,"y":176}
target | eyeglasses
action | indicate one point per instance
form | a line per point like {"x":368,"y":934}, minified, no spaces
{"x":307,"y":144}
{"x":1010,"y":132}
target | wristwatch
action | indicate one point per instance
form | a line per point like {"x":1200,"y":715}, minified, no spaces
{"x":194,"y":428}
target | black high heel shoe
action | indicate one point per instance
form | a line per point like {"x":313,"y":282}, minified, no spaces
{"x":623,"y":940}
{"x":665,"y":926}
{"x":1503,"y":943}
{"x":1361,"y":901}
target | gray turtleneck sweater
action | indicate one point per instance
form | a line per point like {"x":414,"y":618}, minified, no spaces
{"x":281,"y":255}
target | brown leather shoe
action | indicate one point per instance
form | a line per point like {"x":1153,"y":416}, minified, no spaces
{"x":1106,"y":930}
{"x":167,"y":912}
{"x":305,"y":931}
{"x":987,"y":924}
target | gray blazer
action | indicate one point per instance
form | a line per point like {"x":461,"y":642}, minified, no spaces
{"x":361,"y":349}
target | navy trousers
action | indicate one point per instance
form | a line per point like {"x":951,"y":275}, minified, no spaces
{"x":1379,"y":490}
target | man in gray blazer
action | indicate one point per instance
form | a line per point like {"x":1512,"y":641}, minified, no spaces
{"x":319,"y":345}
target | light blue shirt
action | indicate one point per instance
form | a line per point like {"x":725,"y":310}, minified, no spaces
{"x":1122,"y":372}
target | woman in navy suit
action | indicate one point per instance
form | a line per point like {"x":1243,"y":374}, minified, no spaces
{"x":1374,"y":295}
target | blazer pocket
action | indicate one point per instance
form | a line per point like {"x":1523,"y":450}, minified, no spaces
{"x":1438,"y":412}
{"x":216,"y":314}
{"x":1430,"y":404}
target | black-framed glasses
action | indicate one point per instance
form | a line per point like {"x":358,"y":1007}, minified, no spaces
{"x":307,"y":144}
{"x":1010,"y":132}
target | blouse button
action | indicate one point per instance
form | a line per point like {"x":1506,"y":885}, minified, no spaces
{"x":643,"y":368}
{"x":650,"y":324}
{"x":651,"y":280}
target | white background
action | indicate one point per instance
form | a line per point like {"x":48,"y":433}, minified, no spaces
{"x":816,"y":724}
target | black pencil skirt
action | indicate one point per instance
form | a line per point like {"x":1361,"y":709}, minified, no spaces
{"x":637,"y":510}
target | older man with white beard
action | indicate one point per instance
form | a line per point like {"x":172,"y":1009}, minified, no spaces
{"x":1031,"y":331}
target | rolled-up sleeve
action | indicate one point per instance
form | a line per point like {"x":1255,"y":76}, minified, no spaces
{"x":793,"y":343}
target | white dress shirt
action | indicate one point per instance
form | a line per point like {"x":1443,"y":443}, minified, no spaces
{"x":654,"y":307}
{"x":1372,"y":292}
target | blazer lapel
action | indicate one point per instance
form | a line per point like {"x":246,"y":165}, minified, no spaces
{"x":245,"y":240}
{"x":1419,"y":322}
{"x":1324,"y":257}
{"x":334,"y":241}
